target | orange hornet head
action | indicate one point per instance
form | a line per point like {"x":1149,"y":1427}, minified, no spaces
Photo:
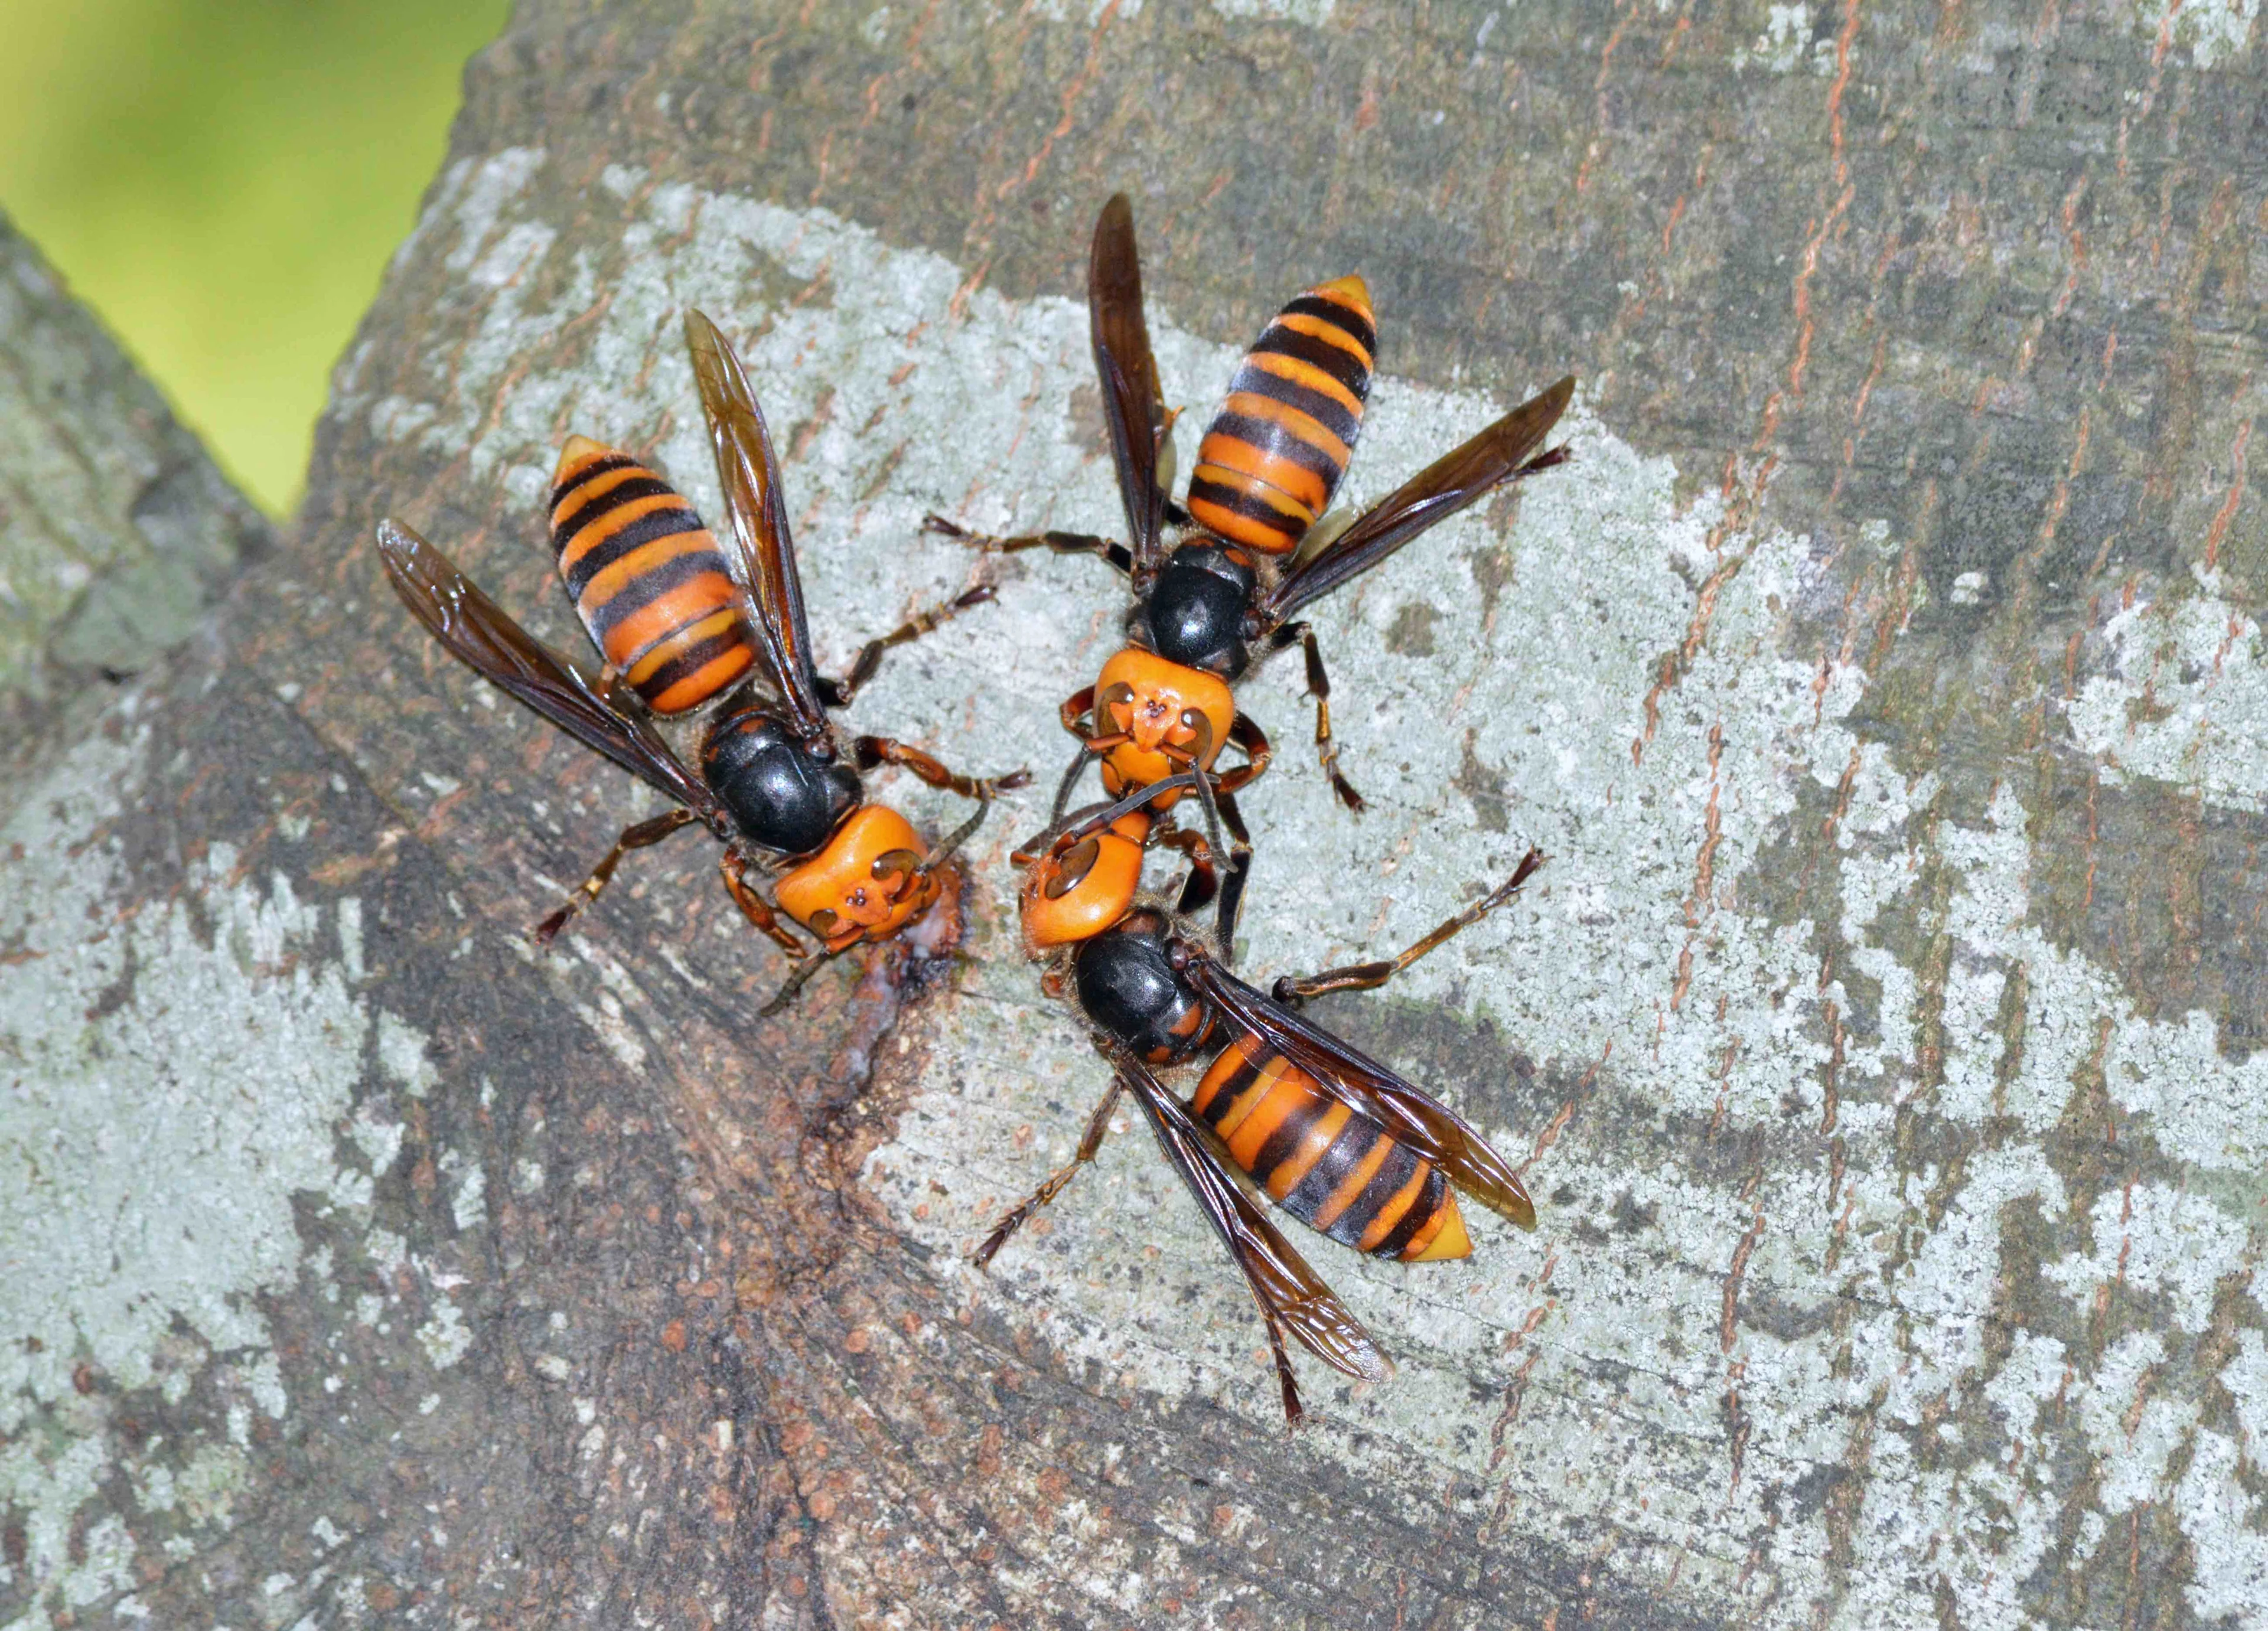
{"x":1077,"y":890}
{"x":865,"y":885}
{"x":1171,"y":718}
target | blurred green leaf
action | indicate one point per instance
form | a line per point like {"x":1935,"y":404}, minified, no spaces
{"x":223,"y":180}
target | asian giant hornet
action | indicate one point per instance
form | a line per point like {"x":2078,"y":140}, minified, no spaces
{"x":681,"y":623}
{"x":1255,"y":545}
{"x":1333,"y":1137}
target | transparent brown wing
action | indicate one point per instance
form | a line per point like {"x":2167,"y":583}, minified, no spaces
{"x":1293,"y":1298}
{"x":480,"y":633}
{"x":1410,"y":1113}
{"x":1498,"y":454}
{"x":1133,"y":405}
{"x":756,"y":516}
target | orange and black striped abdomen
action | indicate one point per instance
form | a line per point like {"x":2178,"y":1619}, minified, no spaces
{"x":1273,"y":456}
{"x":648,"y":579}
{"x":1333,"y":1169}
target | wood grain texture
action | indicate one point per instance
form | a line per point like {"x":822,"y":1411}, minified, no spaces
{"x":1882,"y":679}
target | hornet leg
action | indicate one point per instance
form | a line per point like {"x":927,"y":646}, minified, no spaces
{"x":960,"y":835}
{"x":1098,"y":1128}
{"x":754,"y":906}
{"x":1062,"y":543}
{"x":881,"y":750}
{"x":1073,"y":712}
{"x":1365,"y":976}
{"x":1203,"y":881}
{"x":797,"y":979}
{"x":1319,"y":687}
{"x":643,"y":835}
{"x":838,"y":693}
{"x":1250,"y":740}
{"x":1073,"y":771}
{"x":1220,"y":810}
{"x":1231,"y":885}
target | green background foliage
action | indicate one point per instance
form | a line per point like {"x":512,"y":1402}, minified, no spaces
{"x":223,"y":180}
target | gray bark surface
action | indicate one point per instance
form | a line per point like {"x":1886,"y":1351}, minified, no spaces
{"x":1884,"y":679}
{"x":116,"y":531}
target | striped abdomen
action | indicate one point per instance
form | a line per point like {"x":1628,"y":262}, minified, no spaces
{"x":1273,"y":456}
{"x":647,"y":577}
{"x":1331,"y":1168}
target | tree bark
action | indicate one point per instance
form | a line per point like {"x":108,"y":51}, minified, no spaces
{"x":1883,"y":678}
{"x":116,"y":531}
